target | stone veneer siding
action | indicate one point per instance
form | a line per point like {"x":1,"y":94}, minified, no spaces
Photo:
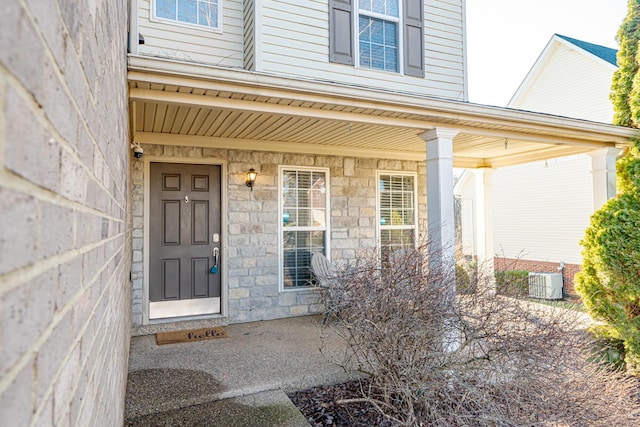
{"x":64,"y":189}
{"x":252,"y":223}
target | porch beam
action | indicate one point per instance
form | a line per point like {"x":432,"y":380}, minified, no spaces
{"x":307,"y":148}
{"x":273,"y":146}
{"x":514,"y":136}
{"x":532,"y":156}
{"x":469,"y":162}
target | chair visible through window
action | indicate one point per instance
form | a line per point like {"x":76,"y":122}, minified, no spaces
{"x":325,"y":275}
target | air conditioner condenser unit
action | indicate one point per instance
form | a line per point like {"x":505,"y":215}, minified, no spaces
{"x":545,"y":285}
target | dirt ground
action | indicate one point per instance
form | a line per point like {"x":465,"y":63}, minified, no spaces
{"x":319,"y":406}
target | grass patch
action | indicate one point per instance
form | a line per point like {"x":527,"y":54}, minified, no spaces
{"x":568,"y":305}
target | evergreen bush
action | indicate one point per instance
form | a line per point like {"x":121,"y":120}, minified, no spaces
{"x":609,"y":283}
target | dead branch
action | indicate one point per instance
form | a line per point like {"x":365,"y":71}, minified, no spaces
{"x":513,"y":363}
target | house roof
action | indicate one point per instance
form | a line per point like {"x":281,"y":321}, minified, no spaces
{"x":601,"y":52}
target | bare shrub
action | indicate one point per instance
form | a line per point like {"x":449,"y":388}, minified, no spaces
{"x":481,"y":359}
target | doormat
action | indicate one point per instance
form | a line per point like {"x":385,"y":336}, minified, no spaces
{"x":190,"y":335}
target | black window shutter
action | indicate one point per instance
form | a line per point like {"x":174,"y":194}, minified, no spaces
{"x":413,"y":38}
{"x":341,"y":31}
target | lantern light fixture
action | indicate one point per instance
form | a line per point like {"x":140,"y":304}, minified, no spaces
{"x":251,"y":178}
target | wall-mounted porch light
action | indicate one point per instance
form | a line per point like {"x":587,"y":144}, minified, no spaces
{"x":251,"y":178}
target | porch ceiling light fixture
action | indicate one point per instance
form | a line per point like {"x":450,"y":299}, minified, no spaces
{"x":251,"y":178}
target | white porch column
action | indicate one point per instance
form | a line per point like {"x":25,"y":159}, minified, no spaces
{"x":484,"y":223}
{"x":440,"y":197}
{"x":440,"y":216}
{"x":603,"y":170}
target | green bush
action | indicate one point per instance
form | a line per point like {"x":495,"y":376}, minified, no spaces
{"x":465,"y":283}
{"x":512,"y":282}
{"x":609,"y":283}
{"x":607,"y":351}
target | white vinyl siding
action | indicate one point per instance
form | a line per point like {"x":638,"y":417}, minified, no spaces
{"x":295,"y":40}
{"x":556,"y":87}
{"x":190,"y":43}
{"x":541,"y":210}
{"x":304,"y":225}
{"x":444,"y":45}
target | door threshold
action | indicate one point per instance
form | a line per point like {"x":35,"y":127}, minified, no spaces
{"x":183,"y":308}
{"x":179,"y":324}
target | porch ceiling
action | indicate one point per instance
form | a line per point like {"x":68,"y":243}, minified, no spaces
{"x":186,"y":104}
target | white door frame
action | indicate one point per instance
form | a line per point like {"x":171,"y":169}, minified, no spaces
{"x":223,"y":227}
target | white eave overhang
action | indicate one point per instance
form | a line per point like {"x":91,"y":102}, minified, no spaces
{"x":179,"y":103}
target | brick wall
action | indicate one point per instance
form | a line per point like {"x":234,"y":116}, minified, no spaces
{"x":502,"y":264}
{"x":252,"y":223}
{"x":64,"y":240}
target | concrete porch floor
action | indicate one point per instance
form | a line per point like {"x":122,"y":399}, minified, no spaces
{"x":240,"y":380}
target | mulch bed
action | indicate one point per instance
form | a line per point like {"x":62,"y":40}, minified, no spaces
{"x":319,"y":406}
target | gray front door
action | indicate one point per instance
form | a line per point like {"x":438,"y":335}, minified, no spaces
{"x":184,"y":240}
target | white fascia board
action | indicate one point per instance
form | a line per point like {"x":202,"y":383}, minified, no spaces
{"x":534,"y":72}
{"x":588,"y":54}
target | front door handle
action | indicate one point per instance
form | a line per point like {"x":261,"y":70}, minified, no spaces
{"x":216,"y":255}
{"x":216,"y":258}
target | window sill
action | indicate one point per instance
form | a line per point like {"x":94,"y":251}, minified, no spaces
{"x":171,"y":22}
{"x":298,"y":288}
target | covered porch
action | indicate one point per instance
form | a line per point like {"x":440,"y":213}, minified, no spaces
{"x":175,"y":104}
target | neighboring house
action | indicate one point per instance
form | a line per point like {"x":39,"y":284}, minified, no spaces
{"x":570,"y":78}
{"x":353,"y":113}
{"x":541,"y":209}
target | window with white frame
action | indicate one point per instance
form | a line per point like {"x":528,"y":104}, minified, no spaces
{"x":396,"y":211}
{"x":304,"y":223}
{"x":378,"y":35}
{"x":201,"y":13}
{"x":386,"y":35}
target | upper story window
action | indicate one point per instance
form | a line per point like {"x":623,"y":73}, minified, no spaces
{"x":378,"y":39}
{"x":385,"y":35}
{"x":201,"y":13}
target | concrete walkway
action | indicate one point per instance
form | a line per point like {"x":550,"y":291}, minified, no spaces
{"x":240,"y":380}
